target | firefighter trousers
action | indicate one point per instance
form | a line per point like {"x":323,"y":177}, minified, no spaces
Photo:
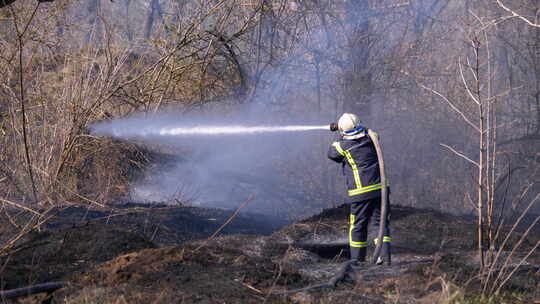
{"x":360,"y":215}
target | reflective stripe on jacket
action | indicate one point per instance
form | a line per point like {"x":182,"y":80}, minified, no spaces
{"x":360,"y":167}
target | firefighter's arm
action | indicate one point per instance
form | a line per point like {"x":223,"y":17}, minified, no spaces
{"x":335,"y":152}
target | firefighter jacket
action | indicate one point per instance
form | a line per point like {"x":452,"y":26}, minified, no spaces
{"x":358,"y":158}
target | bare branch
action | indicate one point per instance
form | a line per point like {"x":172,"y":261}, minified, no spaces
{"x":514,"y":14}
{"x":250,"y":198}
{"x":465,"y":118}
{"x":508,"y":235}
{"x":523,"y":260}
{"x":19,"y":206}
{"x":465,"y":83}
{"x":460,"y":154}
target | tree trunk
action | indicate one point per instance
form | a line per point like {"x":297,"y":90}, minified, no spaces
{"x":481,"y":161}
{"x":155,"y":10}
{"x":129,"y":32}
{"x":358,"y":78}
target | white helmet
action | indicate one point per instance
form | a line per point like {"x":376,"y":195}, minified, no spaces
{"x":348,"y":123}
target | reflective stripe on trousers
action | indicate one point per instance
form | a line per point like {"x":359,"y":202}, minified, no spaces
{"x":352,"y":243}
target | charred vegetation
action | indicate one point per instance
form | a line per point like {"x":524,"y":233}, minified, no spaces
{"x":453,"y":87}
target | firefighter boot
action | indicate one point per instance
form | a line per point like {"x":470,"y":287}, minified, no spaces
{"x":386,"y":254}
{"x":358,"y":257}
{"x":358,"y":254}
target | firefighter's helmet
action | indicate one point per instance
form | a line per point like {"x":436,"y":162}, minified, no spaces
{"x":348,"y":124}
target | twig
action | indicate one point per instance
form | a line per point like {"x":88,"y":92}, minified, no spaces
{"x":10,"y":218}
{"x":514,"y":227}
{"x":465,"y":118}
{"x":252,"y":288}
{"x":39,"y":220}
{"x":20,"y":43}
{"x":514,"y":14}
{"x":20,"y":206}
{"x":517,"y":267}
{"x":466,"y":85}
{"x":250,"y":198}
{"x":460,"y":154}
{"x":275,"y":280}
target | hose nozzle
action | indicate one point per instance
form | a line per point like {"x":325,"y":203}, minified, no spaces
{"x":334,"y":127}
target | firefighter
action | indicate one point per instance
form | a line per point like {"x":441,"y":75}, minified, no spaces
{"x":358,"y":157}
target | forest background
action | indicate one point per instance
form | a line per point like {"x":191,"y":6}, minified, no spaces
{"x":453,"y":87}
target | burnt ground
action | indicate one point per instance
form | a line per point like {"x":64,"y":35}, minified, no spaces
{"x":164,"y":255}
{"x":169,"y":225}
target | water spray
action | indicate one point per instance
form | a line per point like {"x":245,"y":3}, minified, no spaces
{"x":120,"y":132}
{"x":232,"y":130}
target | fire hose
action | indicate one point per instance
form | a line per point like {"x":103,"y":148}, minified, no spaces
{"x":384,"y":195}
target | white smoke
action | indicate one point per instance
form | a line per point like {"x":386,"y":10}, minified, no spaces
{"x":222,"y":160}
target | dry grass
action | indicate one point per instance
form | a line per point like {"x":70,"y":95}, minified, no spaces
{"x":55,"y":85}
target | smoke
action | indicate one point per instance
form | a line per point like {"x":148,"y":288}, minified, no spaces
{"x":309,"y":62}
{"x":273,"y":148}
{"x":224,"y":153}
{"x":222,"y":158}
